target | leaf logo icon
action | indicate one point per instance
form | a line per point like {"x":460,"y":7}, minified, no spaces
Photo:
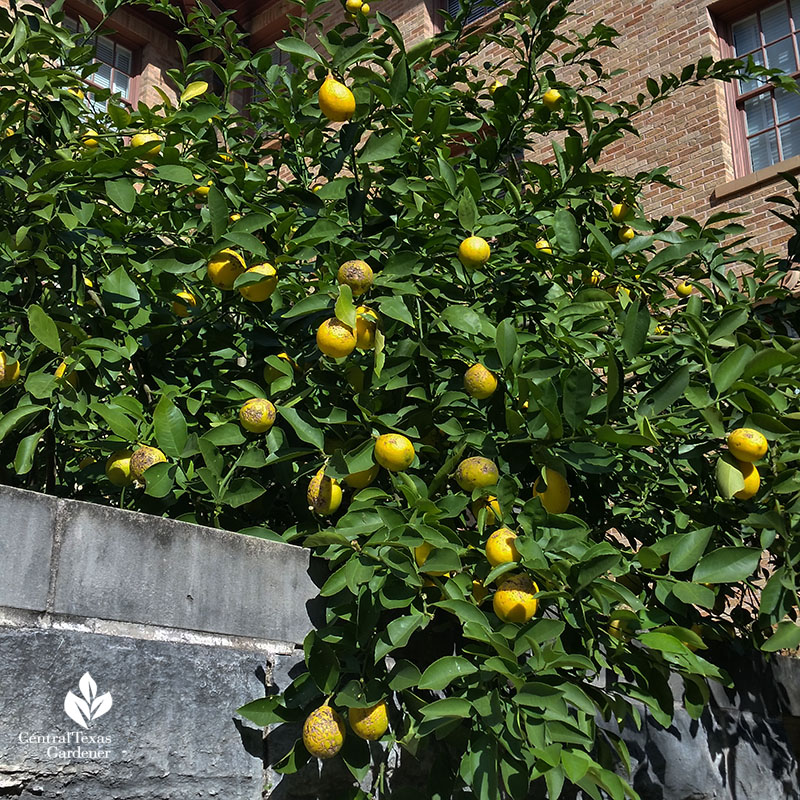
{"x":84,"y":710}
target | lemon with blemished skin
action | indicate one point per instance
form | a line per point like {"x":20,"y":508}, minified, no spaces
{"x":89,"y":139}
{"x":552,"y":99}
{"x":495,"y":86}
{"x":479,"y":382}
{"x":366,"y":327}
{"x":625,"y":234}
{"x":620,"y":211}
{"x":555,"y":495}
{"x":257,"y":415}
{"x":143,"y":458}
{"x":182,"y":309}
{"x":356,"y":274}
{"x":543,"y":246}
{"x":747,"y":444}
{"x":324,"y":494}
{"x":501,"y":547}
{"x":272,"y":374}
{"x":224,"y":268}
{"x":474,"y":252}
{"x":421,"y":555}
{"x":369,"y":723}
{"x":683,"y":289}
{"x":752,"y":480}
{"x":514,"y":600}
{"x":72,"y":379}
{"x":9,"y":373}
{"x":323,"y":732}
{"x":118,"y":468}
{"x":394,"y":452}
{"x":476,"y":472}
{"x":336,"y":101}
{"x":360,"y":480}
{"x":493,"y":512}
{"x":147,"y":137}
{"x":336,"y":339}
{"x":259,"y":292}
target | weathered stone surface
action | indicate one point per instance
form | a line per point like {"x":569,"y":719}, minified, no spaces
{"x":172,"y":723}
{"x":27,"y":525}
{"x":124,"y":566}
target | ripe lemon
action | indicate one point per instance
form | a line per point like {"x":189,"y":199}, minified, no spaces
{"x":72,"y":379}
{"x":493,"y":512}
{"x":143,"y":458}
{"x":357,"y":275}
{"x":89,"y":139}
{"x":257,"y":415}
{"x":552,"y":99}
{"x":201,"y":192}
{"x":335,"y":339}
{"x":353,"y":5}
{"x":365,"y":9}
{"x":514,"y":601}
{"x":369,"y":723}
{"x":421,"y":554}
{"x":595,"y":278}
{"x":147,"y":137}
{"x":683,"y":289}
{"x":620,"y":211}
{"x":501,"y":548}
{"x":9,"y":373}
{"x":323,"y":732}
{"x":118,"y":468}
{"x":366,"y":326}
{"x":475,"y":473}
{"x":272,"y":373}
{"x":224,"y":268}
{"x":394,"y":452}
{"x":324,"y":494}
{"x":479,"y":592}
{"x":626,"y":233}
{"x":360,"y":480}
{"x":555,"y":495}
{"x":235,"y":217}
{"x":336,"y":101}
{"x":747,"y":444}
{"x":752,"y":480}
{"x":259,"y":292}
{"x":495,"y":86}
{"x":474,"y":252}
{"x":182,"y":309}
{"x":479,"y":382}
{"x":543,"y":246}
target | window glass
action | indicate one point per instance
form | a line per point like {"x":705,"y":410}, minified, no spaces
{"x":787,"y":104}
{"x":764,"y":150}
{"x":790,"y":139}
{"x":480,"y":9}
{"x":781,"y":55}
{"x":775,"y":22}
{"x":758,"y":113}
{"x":745,"y":36}
{"x":748,"y":86}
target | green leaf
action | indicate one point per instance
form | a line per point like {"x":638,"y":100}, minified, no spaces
{"x":567,"y":233}
{"x":117,"y":420}
{"x":344,"y":309}
{"x":729,"y":477}
{"x":577,"y":398}
{"x":14,"y":418}
{"x":23,"y":460}
{"x":665,"y":393}
{"x":308,"y":305}
{"x":444,"y":671}
{"x":731,"y":367}
{"x":727,"y":565}
{"x":194,"y":89}
{"x":505,"y":339}
{"x":122,"y":194}
{"x":302,"y":427}
{"x":174,"y":174}
{"x":786,"y":637}
{"x":242,"y":491}
{"x":218,"y":210}
{"x":119,"y":285}
{"x":728,"y":324}
{"x":467,"y":211}
{"x":449,"y":707}
{"x":664,"y":642}
{"x":694,"y":594}
{"x":380,"y":147}
{"x":298,"y":46}
{"x":396,"y":308}
{"x":635,"y":328}
{"x":689,"y":548}
{"x":170,"y":427}
{"x":43,"y":328}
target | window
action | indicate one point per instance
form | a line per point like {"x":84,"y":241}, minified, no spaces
{"x":478,"y":10}
{"x":766,"y":121}
{"x":116,"y":66}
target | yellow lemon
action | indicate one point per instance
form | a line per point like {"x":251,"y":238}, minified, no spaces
{"x":752,"y":480}
{"x":147,"y":137}
{"x":89,"y":139}
{"x":9,"y":373}
{"x":474,"y":252}
{"x":394,"y":452}
{"x":202,"y":191}
{"x":257,"y":415}
{"x":626,"y":233}
{"x":118,"y":468}
{"x":543,"y":246}
{"x":357,"y":275}
{"x":595,"y":278}
{"x":552,"y":99}
{"x":235,"y":217}
{"x":353,"y":5}
{"x":324,"y":494}
{"x":369,"y":723}
{"x":224,"y":268}
{"x":365,"y":9}
{"x":747,"y":444}
{"x":555,"y":495}
{"x":181,"y":309}
{"x":501,"y":548}
{"x":514,"y":601}
{"x":366,"y":327}
{"x":259,"y":292}
{"x":335,"y":339}
{"x":272,"y":374}
{"x":493,"y":512}
{"x":336,"y":101}
{"x":683,"y":289}
{"x":476,"y":472}
{"x":495,"y":86}
{"x":143,"y":458}
{"x":323,"y":732}
{"x":620,"y":211}
{"x":479,"y":382}
{"x":360,"y":480}
{"x":77,"y":93}
{"x":72,"y":379}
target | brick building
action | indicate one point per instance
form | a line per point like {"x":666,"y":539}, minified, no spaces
{"x":724,"y":144}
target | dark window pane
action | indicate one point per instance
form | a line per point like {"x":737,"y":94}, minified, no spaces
{"x":763,"y":150}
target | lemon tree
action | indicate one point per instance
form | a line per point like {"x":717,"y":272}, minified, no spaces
{"x":356,"y":312}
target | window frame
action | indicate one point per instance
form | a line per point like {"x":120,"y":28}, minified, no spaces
{"x":724,"y":19}
{"x":471,"y":26}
